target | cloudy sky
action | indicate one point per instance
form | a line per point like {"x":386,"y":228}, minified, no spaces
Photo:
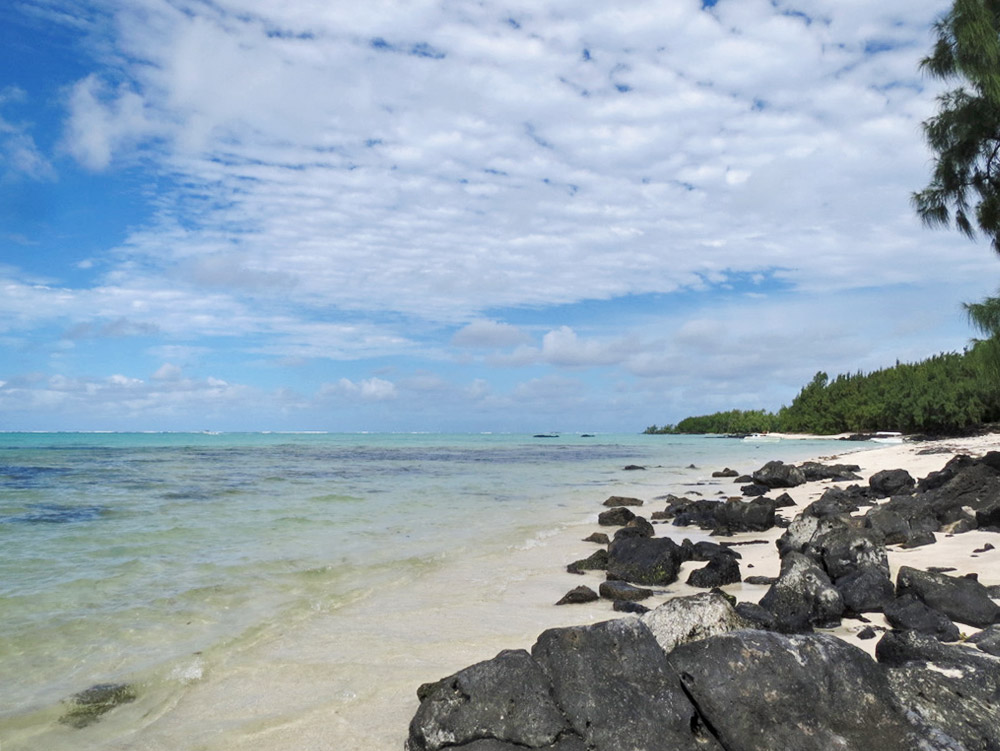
{"x":441,"y":215}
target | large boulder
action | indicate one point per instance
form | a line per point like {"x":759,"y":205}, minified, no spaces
{"x":910,"y":613}
{"x":779,"y":475}
{"x":936,"y":479}
{"x":508,"y":699}
{"x":950,"y":688}
{"x":891,"y":482}
{"x":737,"y":516}
{"x":976,"y":486}
{"x":645,"y":560}
{"x":761,"y":691}
{"x":616,"y":690}
{"x":721,"y":570}
{"x":814,"y":471}
{"x":618,"y":516}
{"x":695,"y":513}
{"x":849,"y":549}
{"x":804,"y":533}
{"x":961,"y":599}
{"x":685,"y":619}
{"x":865,"y":590}
{"x":803,"y":596}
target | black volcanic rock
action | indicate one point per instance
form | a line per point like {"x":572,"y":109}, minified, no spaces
{"x":910,"y":613}
{"x":762,"y":691}
{"x":507,"y":699}
{"x":578,"y":596}
{"x":615,"y":688}
{"x":952,"y":689}
{"x":891,"y":482}
{"x":620,"y":500}
{"x":618,"y":516}
{"x":779,"y":475}
{"x":721,"y":570}
{"x":803,"y":596}
{"x":645,"y":560}
{"x":960,"y":598}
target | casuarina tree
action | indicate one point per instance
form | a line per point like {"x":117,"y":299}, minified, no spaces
{"x":965,"y":133}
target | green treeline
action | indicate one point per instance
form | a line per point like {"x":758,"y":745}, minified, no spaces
{"x":945,"y":394}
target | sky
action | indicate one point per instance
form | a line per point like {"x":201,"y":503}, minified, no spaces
{"x":431,"y":215}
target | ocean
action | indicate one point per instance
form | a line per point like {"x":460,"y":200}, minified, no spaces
{"x":275,"y":590}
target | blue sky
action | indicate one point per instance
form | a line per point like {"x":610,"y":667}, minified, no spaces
{"x":461,"y":216}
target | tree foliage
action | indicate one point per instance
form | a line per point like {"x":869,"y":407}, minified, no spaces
{"x":944,"y":394}
{"x":965,"y":134}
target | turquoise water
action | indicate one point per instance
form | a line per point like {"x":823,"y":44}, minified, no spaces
{"x":122,"y":555}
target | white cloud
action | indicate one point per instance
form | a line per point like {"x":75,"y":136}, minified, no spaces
{"x":488,"y":334}
{"x":103,"y":121}
{"x":463,"y":164}
{"x":167,"y":372}
{"x":388,"y":181}
{"x":19,"y":155}
{"x":370,"y":389}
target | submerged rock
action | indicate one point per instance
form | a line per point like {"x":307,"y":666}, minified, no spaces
{"x":90,"y":705}
{"x":597,"y":561}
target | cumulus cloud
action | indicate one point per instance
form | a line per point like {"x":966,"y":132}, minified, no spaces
{"x":441,"y":164}
{"x":457,"y":184}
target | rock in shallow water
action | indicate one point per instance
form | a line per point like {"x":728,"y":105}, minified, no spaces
{"x":92,"y":704}
{"x":645,"y":560}
{"x":617,"y":590}
{"x":578,"y":595}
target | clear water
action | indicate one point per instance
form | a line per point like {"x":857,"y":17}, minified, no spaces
{"x":158,"y":558}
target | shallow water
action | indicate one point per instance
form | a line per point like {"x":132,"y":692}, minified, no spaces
{"x":263,"y":590}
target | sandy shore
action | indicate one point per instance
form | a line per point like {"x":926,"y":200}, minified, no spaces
{"x":759,"y":553}
{"x":507,"y":603}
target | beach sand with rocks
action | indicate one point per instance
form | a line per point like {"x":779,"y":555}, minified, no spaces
{"x":974,"y":553}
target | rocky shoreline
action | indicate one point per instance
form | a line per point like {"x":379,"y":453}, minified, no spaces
{"x":785,"y":656}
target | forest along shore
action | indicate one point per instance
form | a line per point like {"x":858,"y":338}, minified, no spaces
{"x":847,"y":603}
